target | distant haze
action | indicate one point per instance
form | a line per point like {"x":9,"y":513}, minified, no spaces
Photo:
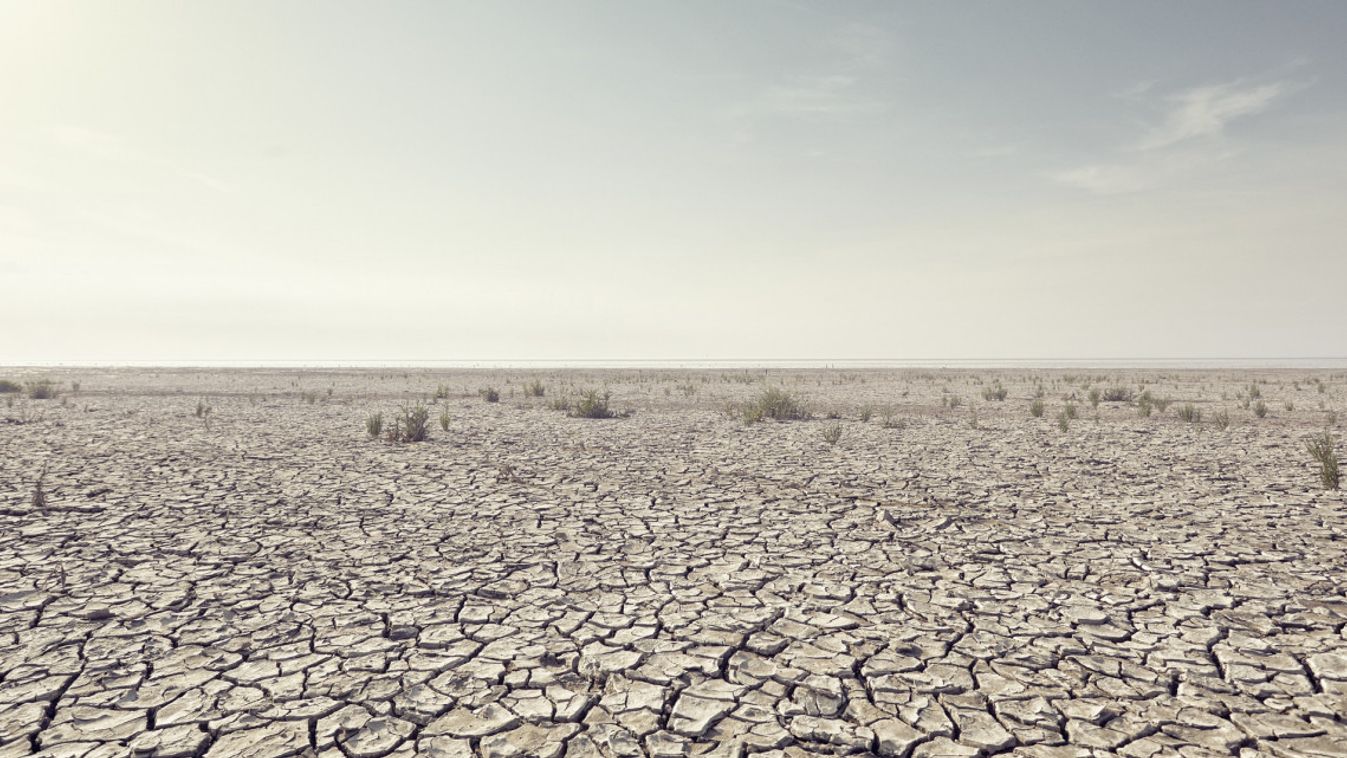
{"x":340,"y":181}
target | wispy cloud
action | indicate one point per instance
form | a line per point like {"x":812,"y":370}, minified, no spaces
{"x":829,"y":95}
{"x":1186,"y":139}
{"x":1205,"y":111}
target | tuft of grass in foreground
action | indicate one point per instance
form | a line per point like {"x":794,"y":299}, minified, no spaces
{"x":43,"y":389}
{"x":1036,"y":408}
{"x":374,"y":425}
{"x":535,"y":388}
{"x":39,"y":497}
{"x":444,"y":418}
{"x":1094,"y":397}
{"x":592,"y":404}
{"x":1190,"y":413}
{"x":490,"y":394}
{"x":1063,"y":421}
{"x":995,"y":392}
{"x":832,"y":433}
{"x":1321,"y":449}
{"x":1221,"y":419}
{"x":1119,"y":395}
{"x":1260,"y":409}
{"x":776,"y":404}
{"x":411,"y":425}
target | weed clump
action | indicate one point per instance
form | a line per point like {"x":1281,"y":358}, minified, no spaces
{"x":490,"y":394}
{"x":1321,"y":449}
{"x":1221,"y":419}
{"x":1260,"y":409}
{"x":411,"y":425}
{"x":534,"y":388}
{"x":776,"y":404}
{"x":374,"y":425}
{"x":1119,"y":395}
{"x":995,"y":392}
{"x":1036,"y":408}
{"x":444,"y":418}
{"x":832,"y":433}
{"x":43,"y":389}
{"x":1190,"y":413}
{"x":592,"y":404}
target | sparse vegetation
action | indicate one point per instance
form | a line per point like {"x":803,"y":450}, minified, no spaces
{"x":776,"y":404}
{"x":374,"y":425}
{"x":1093,"y":395}
{"x":1190,"y":413}
{"x":1321,"y":448}
{"x":1221,"y":419}
{"x":201,"y":409}
{"x":411,"y":425}
{"x":1063,"y":421}
{"x":592,"y":404}
{"x":39,"y":496}
{"x":1036,"y":408}
{"x":1145,"y":405}
{"x":7,"y":387}
{"x":309,"y":396}
{"x":995,"y":392}
{"x":832,"y":433}
{"x":867,"y":412}
{"x":1119,"y":395}
{"x":535,"y":388}
{"x":444,"y":418}
{"x":42,"y":389}
{"x":1070,"y":410}
{"x":1260,"y":409}
{"x":490,"y":394}
{"x":441,"y":392}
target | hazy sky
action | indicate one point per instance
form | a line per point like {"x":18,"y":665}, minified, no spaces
{"x":491,"y":180}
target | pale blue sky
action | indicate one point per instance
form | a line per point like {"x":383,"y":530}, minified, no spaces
{"x":494,"y":180}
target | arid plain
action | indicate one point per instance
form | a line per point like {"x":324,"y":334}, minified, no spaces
{"x":227,"y":563}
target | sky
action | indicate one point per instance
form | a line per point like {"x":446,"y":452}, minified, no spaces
{"x":419,"y":181}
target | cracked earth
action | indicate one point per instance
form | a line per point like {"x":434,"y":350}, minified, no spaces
{"x":275,"y":583}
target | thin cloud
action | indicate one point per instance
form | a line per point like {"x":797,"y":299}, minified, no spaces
{"x":1205,"y":111}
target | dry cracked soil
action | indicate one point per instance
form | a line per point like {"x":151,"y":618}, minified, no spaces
{"x":264,"y":579}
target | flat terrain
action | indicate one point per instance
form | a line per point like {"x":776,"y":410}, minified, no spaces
{"x":266,"y":580}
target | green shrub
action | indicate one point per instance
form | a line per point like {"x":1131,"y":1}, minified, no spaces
{"x":1119,"y":395}
{"x":776,"y":404}
{"x":1221,"y":419}
{"x":592,"y":404}
{"x":411,"y":425}
{"x":43,"y":389}
{"x":1321,"y":449}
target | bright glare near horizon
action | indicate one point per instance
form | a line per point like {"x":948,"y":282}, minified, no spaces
{"x":236,"y":181}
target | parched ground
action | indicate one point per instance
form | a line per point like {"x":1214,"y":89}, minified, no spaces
{"x":941,"y":582}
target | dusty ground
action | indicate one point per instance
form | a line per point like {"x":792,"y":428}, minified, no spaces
{"x":275,"y":583}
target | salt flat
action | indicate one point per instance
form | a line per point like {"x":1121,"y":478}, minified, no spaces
{"x":266,"y":580}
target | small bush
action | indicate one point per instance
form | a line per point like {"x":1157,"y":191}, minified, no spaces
{"x":559,"y":404}
{"x":776,"y":404}
{"x":374,"y":425}
{"x":411,"y":425}
{"x":592,"y":404}
{"x":444,"y":418}
{"x":867,"y":412}
{"x":1260,"y":409}
{"x":441,"y":392}
{"x":41,"y":390}
{"x":1321,"y":449}
{"x":1221,"y":419}
{"x":1036,"y":408}
{"x":1145,"y":405}
{"x":1190,"y":413}
{"x":888,"y":418}
{"x":534,"y":388}
{"x":1161,"y":403}
{"x":995,"y":392}
{"x":1070,"y":410}
{"x":832,"y":433}
{"x":1094,"y":396}
{"x":1063,"y":421}
{"x":490,"y":394}
{"x":1254,"y":392}
{"x":6,"y":387}
{"x":1119,"y":395}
